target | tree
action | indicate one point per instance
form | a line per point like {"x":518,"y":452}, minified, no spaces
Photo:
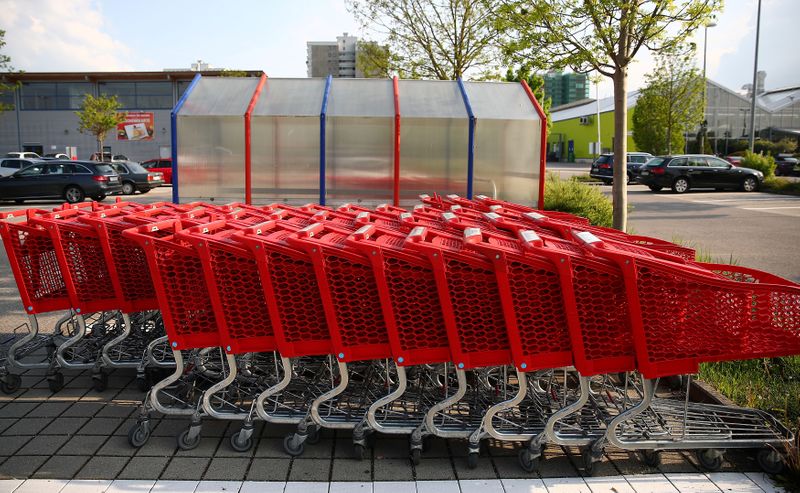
{"x":435,"y":39}
{"x":536,"y":83}
{"x":5,"y":66}
{"x":603,"y":36}
{"x":670,"y":105}
{"x":232,"y":73}
{"x":374,"y":60}
{"x":98,"y":116}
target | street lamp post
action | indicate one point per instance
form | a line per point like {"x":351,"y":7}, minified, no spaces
{"x":755,"y":82}
{"x":704,"y":125}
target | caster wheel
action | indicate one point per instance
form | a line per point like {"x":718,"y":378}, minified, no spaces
{"x":241,"y":446}
{"x":427,"y":443}
{"x":652,"y":458}
{"x":290,"y":449}
{"x":138,"y":435}
{"x":56,"y":382}
{"x":588,"y":461}
{"x":472,"y":460}
{"x":359,"y":451}
{"x":184,"y":443}
{"x":527,"y":461}
{"x":416,"y":456}
{"x":142,"y":384}
{"x":708,"y":460}
{"x":313,"y":437}
{"x":100,"y":381}
{"x":11,"y":383}
{"x":770,"y":461}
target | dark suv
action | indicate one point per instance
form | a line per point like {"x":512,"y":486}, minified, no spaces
{"x":603,"y":166}
{"x":684,"y":172}
{"x":72,"y":181}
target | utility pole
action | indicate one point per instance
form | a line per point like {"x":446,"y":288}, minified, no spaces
{"x":704,"y":126}
{"x":755,"y":82}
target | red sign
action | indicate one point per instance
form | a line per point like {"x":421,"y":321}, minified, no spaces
{"x":137,"y":126}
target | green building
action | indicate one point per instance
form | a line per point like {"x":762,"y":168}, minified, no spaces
{"x":565,"y":88}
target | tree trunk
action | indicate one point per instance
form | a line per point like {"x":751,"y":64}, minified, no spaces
{"x":99,"y":149}
{"x":620,"y":187}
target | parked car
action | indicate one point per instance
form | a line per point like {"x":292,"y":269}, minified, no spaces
{"x":108,"y":157}
{"x":787,"y":166}
{"x":687,"y":171}
{"x":735,"y":160}
{"x":9,"y":166}
{"x":137,"y":179}
{"x":23,"y":155}
{"x":603,"y":166}
{"x":72,"y":181}
{"x":56,"y":155}
{"x":162,"y":165}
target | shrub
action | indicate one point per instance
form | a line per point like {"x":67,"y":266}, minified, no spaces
{"x":760,"y":162}
{"x":781,"y":185}
{"x":577,"y":198}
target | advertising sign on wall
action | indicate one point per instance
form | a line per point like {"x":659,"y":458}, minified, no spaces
{"x":137,"y":126}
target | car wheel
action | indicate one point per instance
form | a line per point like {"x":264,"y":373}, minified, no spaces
{"x":128,"y":188}
{"x":654,"y":188}
{"x":607,"y":182}
{"x":680,"y":185}
{"x":73,"y":194}
{"x":749,"y":184}
{"x":630,"y":179}
{"x":99,"y":198}
{"x":144,"y":191}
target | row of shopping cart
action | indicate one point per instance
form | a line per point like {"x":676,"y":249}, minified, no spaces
{"x":459,"y":319}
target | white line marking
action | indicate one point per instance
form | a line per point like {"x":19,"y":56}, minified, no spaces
{"x":769,"y":208}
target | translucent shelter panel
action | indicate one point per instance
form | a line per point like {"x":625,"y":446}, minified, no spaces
{"x":434,"y":138}
{"x":211,"y":157}
{"x":359,"y":147}
{"x":507,"y":141}
{"x":220,"y":96}
{"x":285,"y":141}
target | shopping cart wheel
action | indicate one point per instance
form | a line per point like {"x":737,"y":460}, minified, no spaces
{"x":187,"y":442}
{"x":770,"y":461}
{"x":241,"y":445}
{"x":472,"y":460}
{"x":313,"y":436}
{"x":138,"y":435}
{"x":527,"y":461}
{"x":709,"y":459}
{"x":416,"y":456}
{"x":142,"y":384}
{"x":651,"y":457}
{"x":589,"y":458}
{"x":359,"y":451}
{"x":11,"y":383}
{"x":290,"y":448}
{"x":100,"y":381}
{"x":55,"y":382}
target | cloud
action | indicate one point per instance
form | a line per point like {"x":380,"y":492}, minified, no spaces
{"x":58,"y":35}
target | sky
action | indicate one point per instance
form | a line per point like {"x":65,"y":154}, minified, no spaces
{"x":271,"y":35}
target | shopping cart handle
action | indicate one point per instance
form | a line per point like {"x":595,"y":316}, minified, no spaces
{"x":362,"y":217}
{"x":588,"y":239}
{"x":496,"y":208}
{"x":493,"y":217}
{"x":473,"y":235}
{"x":308,"y":207}
{"x":259,"y":228}
{"x":453,"y":196}
{"x":530,"y":239}
{"x":320,"y":216}
{"x":418,"y":207}
{"x":535,"y":216}
{"x":382,"y":207}
{"x":310,"y":230}
{"x":364,"y":232}
{"x":424,"y":196}
{"x":481,"y":197}
{"x":345,"y":207}
{"x":417,"y":234}
{"x":449,"y":217}
{"x":455,"y":207}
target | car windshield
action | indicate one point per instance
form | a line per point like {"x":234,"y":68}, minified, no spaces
{"x":135,"y":167}
{"x":656,"y":161}
{"x":604,"y":159}
{"x":104,"y":169}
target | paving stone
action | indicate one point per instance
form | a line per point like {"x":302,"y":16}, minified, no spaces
{"x":225,"y":449}
{"x":391,"y":448}
{"x":131,"y":422}
{"x":17,"y":409}
{"x":268,"y":469}
{"x":61,"y":467}
{"x":100,"y":467}
{"x":436,"y":448}
{"x":227,"y":469}
{"x":432,"y":468}
{"x":169,"y":427}
{"x":343,"y":448}
{"x":509,"y":468}
{"x":502,"y":448}
{"x":5,"y":423}
{"x":144,"y":467}
{"x":557,"y":465}
{"x":48,"y":410}
{"x":39,"y":394}
{"x":349,"y":470}
{"x":270,"y":447}
{"x":9,"y":445}
{"x":65,"y":426}
{"x":101,"y":426}
{"x":278,"y":430}
{"x":65,"y":394}
{"x":484,"y":470}
{"x":310,"y":470}
{"x":628,"y":462}
{"x":21,"y":466}
{"x":321,"y":450}
{"x":43,"y":445}
{"x":207,"y":447}
{"x":393,"y":470}
{"x":158,"y":447}
{"x":117,"y":446}
{"x":82,"y":445}
{"x":215,"y":428}
{"x":185,"y":468}
{"x":116,"y":410}
{"x":26,"y":426}
{"x":676,"y":462}
{"x":83,"y":409}
{"x":83,"y":382}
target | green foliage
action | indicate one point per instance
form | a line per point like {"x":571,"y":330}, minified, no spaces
{"x":536,"y":83}
{"x":669,"y":105}
{"x":779,"y":185}
{"x":374,"y":60}
{"x":434,"y":39}
{"x":760,"y":162}
{"x":5,"y":66}
{"x":577,"y":198}
{"x":98,"y":116}
{"x":783,"y":146}
{"x":232,"y":73}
